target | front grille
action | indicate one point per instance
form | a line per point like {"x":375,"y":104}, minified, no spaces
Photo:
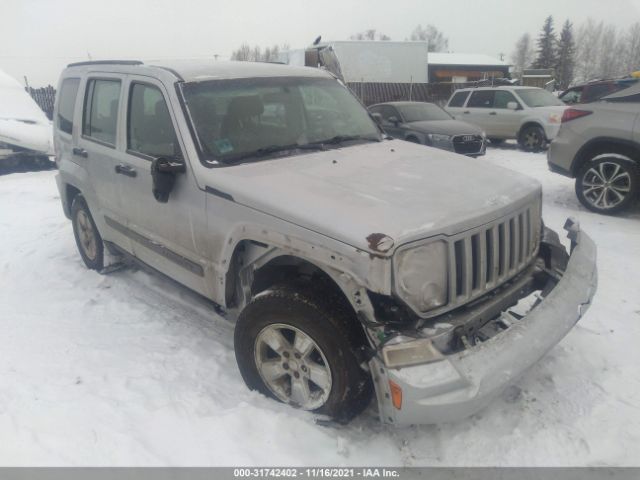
{"x":467,"y":144}
{"x":483,"y":258}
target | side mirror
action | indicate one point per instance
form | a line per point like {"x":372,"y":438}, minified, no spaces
{"x":163,"y":173}
{"x":394,"y":120}
{"x":512,"y":105}
{"x":377,"y":118}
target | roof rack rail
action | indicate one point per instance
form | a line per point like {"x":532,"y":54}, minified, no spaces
{"x":106,"y":62}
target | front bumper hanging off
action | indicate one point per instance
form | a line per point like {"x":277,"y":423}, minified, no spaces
{"x":462,"y":383}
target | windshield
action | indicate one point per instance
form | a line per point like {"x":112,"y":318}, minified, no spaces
{"x":537,"y":97}
{"x":423,"y":111}
{"x":251,"y":118}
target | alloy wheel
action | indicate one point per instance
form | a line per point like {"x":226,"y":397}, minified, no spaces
{"x":292,"y":366}
{"x":606,"y":185}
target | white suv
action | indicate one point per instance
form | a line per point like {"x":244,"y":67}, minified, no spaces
{"x":528,"y":114}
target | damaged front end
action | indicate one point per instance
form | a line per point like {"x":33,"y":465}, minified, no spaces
{"x":447,"y":366}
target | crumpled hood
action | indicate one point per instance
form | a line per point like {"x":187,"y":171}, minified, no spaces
{"x":446,"y":127}
{"x":352,"y":194}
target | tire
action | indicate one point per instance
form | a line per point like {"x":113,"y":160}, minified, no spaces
{"x":88,"y":239}
{"x":620,"y":180}
{"x":532,"y":138}
{"x":496,"y":141}
{"x":299,"y":314}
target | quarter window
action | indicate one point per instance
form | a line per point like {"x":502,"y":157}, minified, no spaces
{"x":101,"y":110}
{"x":149,"y":129}
{"x":67,"y":104}
{"x":481,"y":99}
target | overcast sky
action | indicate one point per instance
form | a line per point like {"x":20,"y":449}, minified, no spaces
{"x":38,"y":37}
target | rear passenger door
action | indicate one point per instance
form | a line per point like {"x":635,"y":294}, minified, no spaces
{"x":168,"y":236}
{"x":97,"y":148}
{"x":479,"y":110}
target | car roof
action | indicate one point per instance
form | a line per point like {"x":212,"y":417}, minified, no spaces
{"x":200,"y":70}
{"x":497,"y":87}
{"x":400,"y":103}
{"x":634,"y":89}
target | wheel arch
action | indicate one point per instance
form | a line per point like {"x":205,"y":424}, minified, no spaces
{"x":531,"y":123}
{"x":602,"y":145}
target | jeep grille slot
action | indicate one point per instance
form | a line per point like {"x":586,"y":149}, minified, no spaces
{"x":488,"y":256}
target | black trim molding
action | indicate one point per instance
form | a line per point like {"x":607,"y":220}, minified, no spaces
{"x":158,"y":248}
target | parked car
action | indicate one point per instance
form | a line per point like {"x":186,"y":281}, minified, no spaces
{"x":599,"y":145}
{"x":594,"y":91}
{"x":25,"y":131}
{"x":428,"y":124}
{"x":528,"y":114}
{"x":350,"y":263}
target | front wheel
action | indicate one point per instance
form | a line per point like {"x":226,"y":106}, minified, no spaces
{"x":532,"y":138}
{"x":296,"y":347}
{"x":607,"y":184}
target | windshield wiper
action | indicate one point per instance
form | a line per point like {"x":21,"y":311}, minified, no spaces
{"x":268,"y":150}
{"x":346,"y":138}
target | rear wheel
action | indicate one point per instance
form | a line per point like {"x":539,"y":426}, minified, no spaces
{"x":297,"y":347}
{"x":88,"y":238}
{"x":532,"y":138}
{"x":607,"y":184}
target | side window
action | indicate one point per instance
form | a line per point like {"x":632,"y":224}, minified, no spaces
{"x":592,"y":93}
{"x":572,"y":96}
{"x":101,"y":110}
{"x":481,"y":99}
{"x":387,"y":112}
{"x":458,"y":99}
{"x":502,"y":97}
{"x":149,"y":127}
{"x":67,"y":104}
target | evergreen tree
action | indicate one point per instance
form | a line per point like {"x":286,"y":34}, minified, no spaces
{"x":566,"y":60}
{"x":547,"y":45}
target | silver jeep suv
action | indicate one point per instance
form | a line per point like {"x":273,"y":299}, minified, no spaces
{"x":599,"y":145}
{"x":352,"y":264}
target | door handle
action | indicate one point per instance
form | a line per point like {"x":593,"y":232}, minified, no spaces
{"x":466,"y":111}
{"x":492,"y":113}
{"x":80,"y":152}
{"x":127,"y":170}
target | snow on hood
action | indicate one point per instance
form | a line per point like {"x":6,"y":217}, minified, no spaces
{"x":403,"y":190}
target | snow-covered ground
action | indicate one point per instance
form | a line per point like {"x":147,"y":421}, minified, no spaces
{"x":132,"y":369}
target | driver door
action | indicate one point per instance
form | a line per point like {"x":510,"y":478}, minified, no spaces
{"x":391,"y":127}
{"x":167,"y":236}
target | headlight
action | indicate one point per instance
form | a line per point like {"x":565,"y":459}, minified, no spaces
{"x":421,"y":274}
{"x":437,"y":139}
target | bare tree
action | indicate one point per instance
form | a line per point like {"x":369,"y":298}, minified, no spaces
{"x":436,"y":40}
{"x":247,"y":53}
{"x":523,"y":55}
{"x":370,"y":34}
{"x":242,"y":54}
{"x":632,"y":48}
